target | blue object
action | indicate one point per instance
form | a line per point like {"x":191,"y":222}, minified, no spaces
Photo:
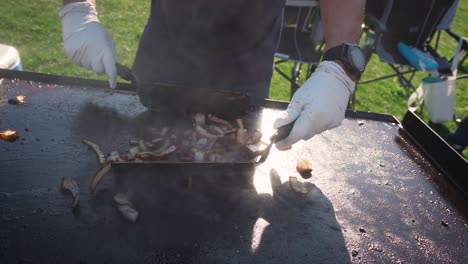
{"x":420,"y":60}
{"x":19,"y":67}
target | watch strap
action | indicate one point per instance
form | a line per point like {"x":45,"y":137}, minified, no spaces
{"x":335,"y":53}
{"x":339,"y":53}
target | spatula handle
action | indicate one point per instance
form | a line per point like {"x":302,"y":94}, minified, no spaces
{"x":283,"y":132}
{"x":125,"y":73}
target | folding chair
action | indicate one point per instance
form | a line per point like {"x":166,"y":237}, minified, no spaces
{"x":301,"y":40}
{"x":445,"y":25}
{"x":413,"y":22}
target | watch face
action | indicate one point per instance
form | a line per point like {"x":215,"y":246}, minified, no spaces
{"x":357,"y":58}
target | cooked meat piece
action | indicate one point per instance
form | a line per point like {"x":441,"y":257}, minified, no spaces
{"x":19,"y":100}
{"x":304,"y":168}
{"x":9,"y":135}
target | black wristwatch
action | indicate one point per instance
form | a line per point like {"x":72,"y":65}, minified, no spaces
{"x":350,"y":55}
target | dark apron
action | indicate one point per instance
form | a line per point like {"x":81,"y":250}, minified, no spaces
{"x":224,"y":44}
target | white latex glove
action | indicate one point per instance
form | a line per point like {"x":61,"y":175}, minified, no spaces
{"x":319,"y":104}
{"x":86,"y":41}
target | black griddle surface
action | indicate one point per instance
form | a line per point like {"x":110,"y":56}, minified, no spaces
{"x":366,"y":175}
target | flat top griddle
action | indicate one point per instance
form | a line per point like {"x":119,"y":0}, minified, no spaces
{"x":375,"y":197}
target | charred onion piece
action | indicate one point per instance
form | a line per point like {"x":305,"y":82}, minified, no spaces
{"x":125,"y":207}
{"x":199,"y":119}
{"x":240,"y":124}
{"x":185,"y":156}
{"x":69,"y":185}
{"x":211,"y":143}
{"x":20,"y":99}
{"x":259,"y":148}
{"x":97,"y":150}
{"x":242,"y":136}
{"x":122,"y":199}
{"x":214,"y":157}
{"x":221,"y":131}
{"x":157,"y":140}
{"x":199,"y":156}
{"x":164,"y":131}
{"x":133,"y":150}
{"x":142,"y":146}
{"x":301,"y":188}
{"x":146,"y":156}
{"x":167,"y":151}
{"x":203,"y":133}
{"x":231,"y":131}
{"x":128,"y":213}
{"x":304,"y":168}
{"x":133,"y":142}
{"x":114,"y":157}
{"x":202,"y":142}
{"x":164,"y":146}
{"x":9,"y":135}
{"x":155,"y":155}
{"x":254,"y":137}
{"x":103,"y":170}
{"x":216,"y":130}
{"x":219,"y":121}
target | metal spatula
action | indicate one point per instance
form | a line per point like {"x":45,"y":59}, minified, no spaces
{"x":280,"y":134}
{"x":171,"y":97}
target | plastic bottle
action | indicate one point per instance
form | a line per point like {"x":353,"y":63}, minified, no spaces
{"x":417,"y":58}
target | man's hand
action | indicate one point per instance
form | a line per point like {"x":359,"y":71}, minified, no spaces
{"x":319,"y":105}
{"x":86,"y":41}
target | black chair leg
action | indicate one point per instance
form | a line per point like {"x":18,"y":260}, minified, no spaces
{"x":296,"y":74}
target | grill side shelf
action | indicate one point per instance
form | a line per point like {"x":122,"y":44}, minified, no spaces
{"x":62,"y":80}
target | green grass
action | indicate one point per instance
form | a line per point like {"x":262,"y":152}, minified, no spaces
{"x":35,"y":29}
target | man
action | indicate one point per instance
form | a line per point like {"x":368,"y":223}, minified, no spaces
{"x":229,"y":44}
